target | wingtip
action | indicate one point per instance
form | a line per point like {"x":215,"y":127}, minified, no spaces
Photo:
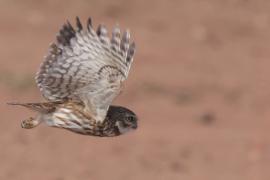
{"x":78,"y":24}
{"x":12,"y":103}
{"x":89,"y":23}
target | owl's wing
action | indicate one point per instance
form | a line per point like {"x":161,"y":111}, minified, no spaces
{"x":86,"y":66}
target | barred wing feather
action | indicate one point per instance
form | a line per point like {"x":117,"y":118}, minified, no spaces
{"x":86,"y":66}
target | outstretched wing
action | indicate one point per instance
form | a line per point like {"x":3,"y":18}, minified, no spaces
{"x":87,"y":66}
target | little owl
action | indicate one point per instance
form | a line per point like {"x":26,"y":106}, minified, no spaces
{"x":81,"y":75}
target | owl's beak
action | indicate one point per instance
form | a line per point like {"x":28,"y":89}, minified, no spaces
{"x":135,"y":125}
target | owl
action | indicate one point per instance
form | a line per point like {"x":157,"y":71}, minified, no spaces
{"x":81,"y":75}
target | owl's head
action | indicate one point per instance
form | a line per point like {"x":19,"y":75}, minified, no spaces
{"x":125,"y":120}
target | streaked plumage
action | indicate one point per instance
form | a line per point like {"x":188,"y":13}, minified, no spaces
{"x":80,"y":77}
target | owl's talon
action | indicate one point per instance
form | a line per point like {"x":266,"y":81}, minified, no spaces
{"x":29,"y":123}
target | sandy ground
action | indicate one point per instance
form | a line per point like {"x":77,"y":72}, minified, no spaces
{"x":199,"y":83}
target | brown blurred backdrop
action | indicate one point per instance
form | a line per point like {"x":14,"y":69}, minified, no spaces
{"x":199,"y":83}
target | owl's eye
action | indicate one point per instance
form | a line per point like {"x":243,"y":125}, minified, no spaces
{"x":130,"y":118}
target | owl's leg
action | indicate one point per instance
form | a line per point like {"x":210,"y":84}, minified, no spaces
{"x":30,"y":123}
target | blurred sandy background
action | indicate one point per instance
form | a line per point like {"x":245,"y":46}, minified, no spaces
{"x":199,"y":83}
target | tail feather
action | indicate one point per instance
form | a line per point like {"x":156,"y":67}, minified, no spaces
{"x":45,"y":107}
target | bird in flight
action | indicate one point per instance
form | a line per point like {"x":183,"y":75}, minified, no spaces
{"x":81,"y":75}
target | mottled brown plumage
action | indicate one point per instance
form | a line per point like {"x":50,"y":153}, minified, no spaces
{"x":81,"y":75}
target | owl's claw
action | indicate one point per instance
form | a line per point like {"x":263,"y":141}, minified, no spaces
{"x":29,"y":123}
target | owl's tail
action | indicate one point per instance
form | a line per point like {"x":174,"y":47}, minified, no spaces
{"x":46,"y":107}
